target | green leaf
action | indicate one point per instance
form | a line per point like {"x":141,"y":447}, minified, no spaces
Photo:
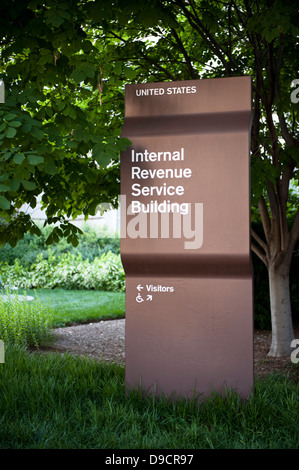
{"x":54,"y":18}
{"x":21,"y":173}
{"x":45,"y":52}
{"x":3,"y":188}
{"x":61,"y":105}
{"x":78,"y":76}
{"x":129,"y":73}
{"x":11,"y":132}
{"x":34,"y":230}
{"x":14,"y":184}
{"x":103,"y":159}
{"x":49,"y":111}
{"x":72,"y":113}
{"x":29,"y":185}
{"x":7,"y":155}
{"x":50,"y":167}
{"x":27,"y":127}
{"x":4,"y":176}
{"x":35,"y":159}
{"x":89,"y":70}
{"x":118,"y":68}
{"x":66,"y":111}
{"x":72,"y":144}
{"x":38,"y":133}
{"x":15,"y":124}
{"x":10,"y":116}
{"x":46,"y":59}
{"x":123,"y":143}
{"x":4,"y":203}
{"x":18,"y":158}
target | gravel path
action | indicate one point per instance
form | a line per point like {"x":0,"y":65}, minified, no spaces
{"x":103,"y":340}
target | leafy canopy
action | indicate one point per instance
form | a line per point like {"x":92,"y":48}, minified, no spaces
{"x":65,"y":64}
{"x":58,"y":137}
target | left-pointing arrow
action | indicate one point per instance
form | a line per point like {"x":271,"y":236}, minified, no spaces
{"x":139,"y":287}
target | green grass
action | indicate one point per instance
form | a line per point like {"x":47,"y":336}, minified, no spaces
{"x":24,"y":323}
{"x":80,"y":306}
{"x":52,"y":402}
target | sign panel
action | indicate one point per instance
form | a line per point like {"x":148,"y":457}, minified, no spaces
{"x":185,"y":236}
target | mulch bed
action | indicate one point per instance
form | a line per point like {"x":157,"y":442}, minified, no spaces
{"x":265,"y":365}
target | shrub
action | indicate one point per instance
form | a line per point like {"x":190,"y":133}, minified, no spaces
{"x":68,"y":271}
{"x":23,"y":322}
{"x":15,"y":275}
{"x":26,"y":249}
{"x":92,"y":244}
{"x":104,"y":273}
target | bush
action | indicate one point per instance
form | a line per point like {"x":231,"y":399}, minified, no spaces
{"x":26,"y":249}
{"x":15,"y":276}
{"x":68,"y":271}
{"x":91,"y":245}
{"x":23,"y":322}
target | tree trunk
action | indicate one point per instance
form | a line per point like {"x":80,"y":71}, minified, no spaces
{"x":281,"y":313}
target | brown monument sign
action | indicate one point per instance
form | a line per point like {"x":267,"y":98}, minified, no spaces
{"x":185,"y":241}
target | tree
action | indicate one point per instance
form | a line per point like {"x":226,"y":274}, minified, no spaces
{"x":180,"y":39}
{"x":61,"y":122}
{"x":55,"y":138}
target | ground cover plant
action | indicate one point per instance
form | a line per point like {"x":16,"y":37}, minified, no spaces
{"x":52,"y":401}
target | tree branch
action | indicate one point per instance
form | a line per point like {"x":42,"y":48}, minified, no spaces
{"x":255,"y":129}
{"x":275,"y":221}
{"x":289,"y":139}
{"x":259,"y":253}
{"x":147,"y":58}
{"x":273,"y":134}
{"x":185,"y":54}
{"x":198,"y":25}
{"x":265,"y":219}
{"x":282,"y":195}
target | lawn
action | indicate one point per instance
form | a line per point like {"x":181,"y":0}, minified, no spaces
{"x":55,"y":402}
{"x":80,"y":306}
{"x":52,"y":401}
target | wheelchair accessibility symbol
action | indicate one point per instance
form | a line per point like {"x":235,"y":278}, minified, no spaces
{"x":139,"y":298}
